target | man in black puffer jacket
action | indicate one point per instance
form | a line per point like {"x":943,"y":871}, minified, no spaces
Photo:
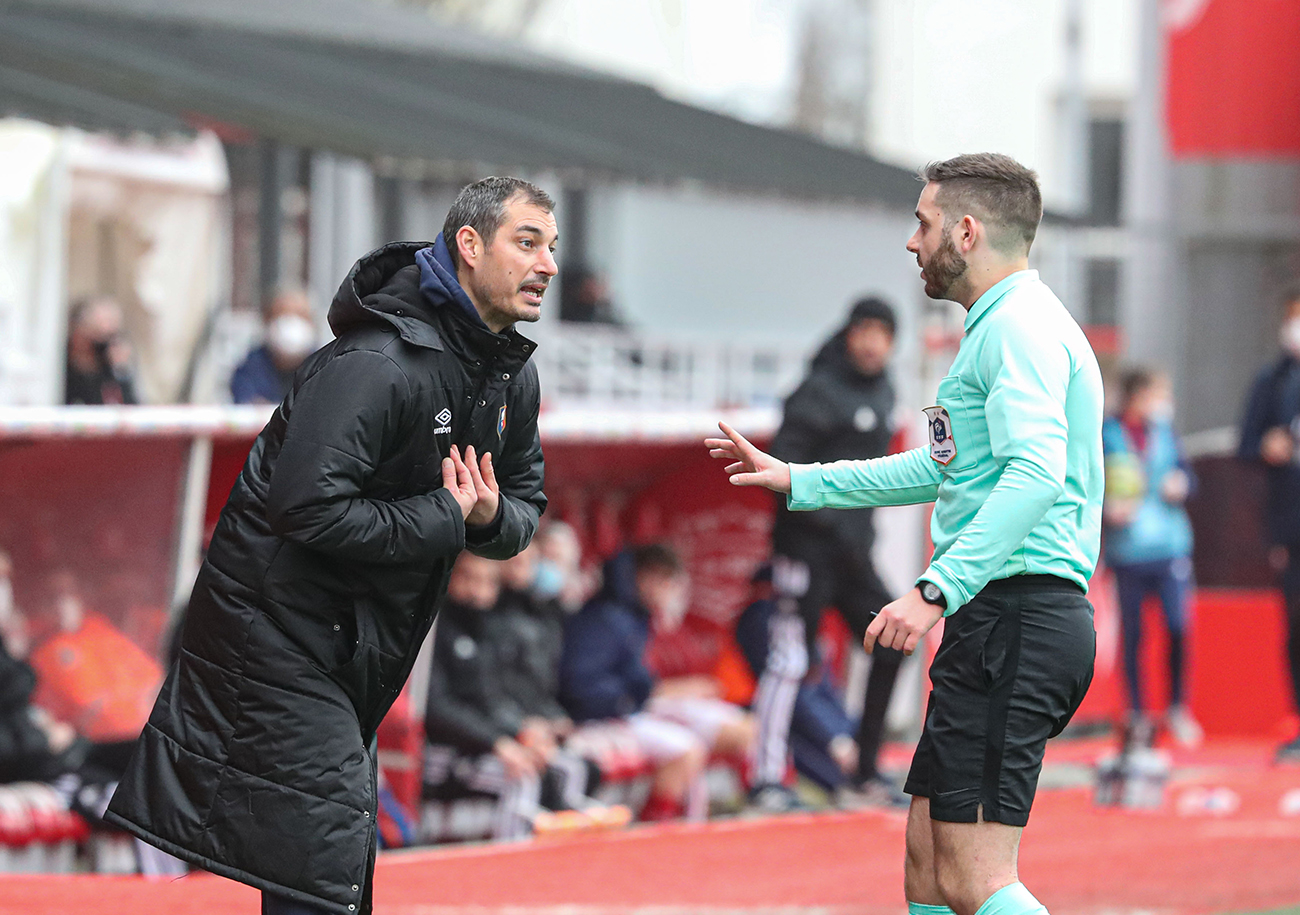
{"x":843,"y":410}
{"x":333,"y":552}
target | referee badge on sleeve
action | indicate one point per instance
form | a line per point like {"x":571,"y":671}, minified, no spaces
{"x":943,"y":447}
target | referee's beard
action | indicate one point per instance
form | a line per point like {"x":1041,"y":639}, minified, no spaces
{"x":945,"y":268}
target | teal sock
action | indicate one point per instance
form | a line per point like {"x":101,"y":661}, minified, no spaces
{"x":1011,"y":900}
{"x":920,"y":908}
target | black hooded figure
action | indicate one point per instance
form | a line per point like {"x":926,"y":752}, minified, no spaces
{"x":823,"y":558}
{"x":322,"y":579}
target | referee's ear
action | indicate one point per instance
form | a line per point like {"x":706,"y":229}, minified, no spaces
{"x":967,"y":233}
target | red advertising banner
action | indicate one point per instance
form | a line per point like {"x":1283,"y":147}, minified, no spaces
{"x":1233,"y":77}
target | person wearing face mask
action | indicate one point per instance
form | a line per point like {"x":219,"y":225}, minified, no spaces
{"x":1269,"y":432}
{"x":266,"y":374}
{"x":99,"y":356}
{"x":1148,"y":536}
{"x":559,"y":575}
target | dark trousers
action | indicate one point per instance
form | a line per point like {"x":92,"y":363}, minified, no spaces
{"x":1291,"y":595}
{"x":840,"y":575}
{"x":819,"y":717}
{"x":1170,"y":580}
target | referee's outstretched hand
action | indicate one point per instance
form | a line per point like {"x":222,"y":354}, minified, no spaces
{"x":750,"y":466}
{"x":902,"y":624}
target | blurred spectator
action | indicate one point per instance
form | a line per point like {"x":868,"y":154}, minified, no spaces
{"x":33,"y":745}
{"x":1269,"y":433}
{"x":90,"y":674}
{"x":528,"y":632}
{"x":99,"y":355}
{"x":531,"y":641}
{"x":266,"y":373}
{"x":37,"y":746}
{"x":559,"y":573}
{"x":603,"y":674}
{"x":584,"y":298}
{"x":1148,"y":535}
{"x":843,"y":410}
{"x":821,"y":731}
{"x":13,"y":626}
{"x":481,"y":739}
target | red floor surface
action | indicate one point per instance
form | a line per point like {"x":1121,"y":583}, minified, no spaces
{"x":1080,"y":860}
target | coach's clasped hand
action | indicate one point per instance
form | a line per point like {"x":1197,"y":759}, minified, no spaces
{"x":752,"y":467}
{"x":473,"y":484}
{"x":903,"y":623}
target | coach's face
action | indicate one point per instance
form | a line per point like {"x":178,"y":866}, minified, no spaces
{"x":509,"y":275}
{"x":942,"y":265}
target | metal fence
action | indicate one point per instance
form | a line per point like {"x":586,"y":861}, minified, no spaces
{"x":615,"y":367}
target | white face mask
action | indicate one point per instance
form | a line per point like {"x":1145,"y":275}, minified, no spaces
{"x":1162,"y":411}
{"x":1290,"y":336}
{"x":291,"y":336}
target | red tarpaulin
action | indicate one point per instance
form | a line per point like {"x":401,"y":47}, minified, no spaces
{"x":1234,"y":77}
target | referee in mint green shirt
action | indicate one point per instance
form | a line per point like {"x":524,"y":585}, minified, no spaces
{"x":1014,"y":467}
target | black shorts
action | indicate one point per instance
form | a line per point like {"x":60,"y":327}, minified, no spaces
{"x":1012,"y":668}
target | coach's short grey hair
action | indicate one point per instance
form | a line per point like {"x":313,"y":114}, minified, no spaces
{"x":995,"y":189}
{"x":482,"y":207}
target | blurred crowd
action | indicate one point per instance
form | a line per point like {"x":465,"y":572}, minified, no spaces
{"x":101,"y":357}
{"x":578,"y":698}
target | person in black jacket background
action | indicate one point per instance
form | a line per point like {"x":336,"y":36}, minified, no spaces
{"x":843,"y":410}
{"x":1270,"y":434}
{"x":483,"y":737}
{"x":334,"y":549}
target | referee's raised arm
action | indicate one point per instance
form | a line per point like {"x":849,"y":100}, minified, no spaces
{"x":1014,"y":466}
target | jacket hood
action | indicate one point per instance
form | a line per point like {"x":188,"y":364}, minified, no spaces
{"x":619,"y":585}
{"x":438,"y":280}
{"x":412,"y":285}
{"x":384,"y":285}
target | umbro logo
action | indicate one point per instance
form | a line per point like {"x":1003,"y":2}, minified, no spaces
{"x":443,"y":419}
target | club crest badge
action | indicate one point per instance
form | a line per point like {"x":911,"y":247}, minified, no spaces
{"x":943,"y":447}
{"x":501,"y":421}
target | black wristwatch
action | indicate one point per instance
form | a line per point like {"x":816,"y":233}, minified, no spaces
{"x":931,"y":594}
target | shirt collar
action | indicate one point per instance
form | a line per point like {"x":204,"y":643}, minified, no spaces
{"x":995,"y":293}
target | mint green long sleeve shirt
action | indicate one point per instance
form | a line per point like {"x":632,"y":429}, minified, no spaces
{"x":1017,"y":428}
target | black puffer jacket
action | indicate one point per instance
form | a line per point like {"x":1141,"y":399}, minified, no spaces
{"x":531,"y":640}
{"x":469,"y":707}
{"x":322,"y":579}
{"x":836,"y":414}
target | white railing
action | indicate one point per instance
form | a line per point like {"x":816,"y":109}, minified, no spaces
{"x":611,"y":367}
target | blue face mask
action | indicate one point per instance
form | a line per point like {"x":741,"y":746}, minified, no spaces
{"x":548,"y":580}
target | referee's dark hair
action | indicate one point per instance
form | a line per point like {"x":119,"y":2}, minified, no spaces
{"x":656,"y":557}
{"x":995,"y":189}
{"x":482,"y":207}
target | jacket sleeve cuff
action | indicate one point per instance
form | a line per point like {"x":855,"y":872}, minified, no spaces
{"x":805,"y":481}
{"x":952,"y":590}
{"x":483,"y":534}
